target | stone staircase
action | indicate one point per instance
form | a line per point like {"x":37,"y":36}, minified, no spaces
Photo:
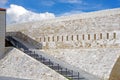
{"x":50,"y":62}
{"x":70,"y":74}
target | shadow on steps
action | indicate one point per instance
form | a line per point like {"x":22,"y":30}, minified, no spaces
{"x":26,"y":39}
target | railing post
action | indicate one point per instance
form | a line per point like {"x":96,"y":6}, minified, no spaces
{"x":34,"y":52}
{"x":52,"y":66}
{"x":78,"y":75}
{"x":41,"y":57}
{"x":66,"y":71}
{"x":49,"y":62}
{"x":61,"y":70}
{"x":58,"y":67}
{"x":72,"y":74}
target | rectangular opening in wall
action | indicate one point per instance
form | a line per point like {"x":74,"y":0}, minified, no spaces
{"x":48,"y":39}
{"x":53,"y":39}
{"x":83,"y":37}
{"x":114,"y":35}
{"x":62,"y":38}
{"x":100,"y":35}
{"x":40,"y":39}
{"x":77,"y":37}
{"x":88,"y":36}
{"x":44,"y":39}
{"x":72,"y":37}
{"x":57,"y":38}
{"x":94,"y":36}
{"x":107,"y":35}
{"x":67,"y":38}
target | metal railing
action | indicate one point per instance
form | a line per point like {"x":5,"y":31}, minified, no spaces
{"x":69,"y":74}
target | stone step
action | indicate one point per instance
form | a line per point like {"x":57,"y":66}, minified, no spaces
{"x":65,"y":71}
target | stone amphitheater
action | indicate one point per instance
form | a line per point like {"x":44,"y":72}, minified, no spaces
{"x":88,"y":43}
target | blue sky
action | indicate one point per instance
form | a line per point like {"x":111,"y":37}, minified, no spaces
{"x":59,"y":7}
{"x":45,"y":9}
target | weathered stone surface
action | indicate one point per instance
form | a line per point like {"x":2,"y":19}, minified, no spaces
{"x":89,"y":41}
{"x":99,"y":62}
{"x":19,"y":65}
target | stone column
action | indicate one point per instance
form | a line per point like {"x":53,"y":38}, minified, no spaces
{"x":2,"y":31}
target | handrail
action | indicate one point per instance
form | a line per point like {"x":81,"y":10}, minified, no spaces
{"x":68,"y":73}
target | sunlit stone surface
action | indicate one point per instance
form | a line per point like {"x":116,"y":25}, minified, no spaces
{"x":88,"y":30}
{"x":89,"y":41}
{"x":17,"y":64}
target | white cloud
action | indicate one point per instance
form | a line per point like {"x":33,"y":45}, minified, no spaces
{"x":18,"y":14}
{"x":71,"y":13}
{"x":71,"y":1}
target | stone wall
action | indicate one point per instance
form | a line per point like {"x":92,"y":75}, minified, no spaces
{"x":88,"y":30}
{"x":90,"y":40}
{"x":103,"y":63}
{"x":2,"y":32}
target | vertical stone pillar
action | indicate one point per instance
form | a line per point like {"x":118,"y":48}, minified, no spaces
{"x":2,"y":31}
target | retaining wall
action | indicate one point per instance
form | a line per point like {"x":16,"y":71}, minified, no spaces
{"x":88,"y":30}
